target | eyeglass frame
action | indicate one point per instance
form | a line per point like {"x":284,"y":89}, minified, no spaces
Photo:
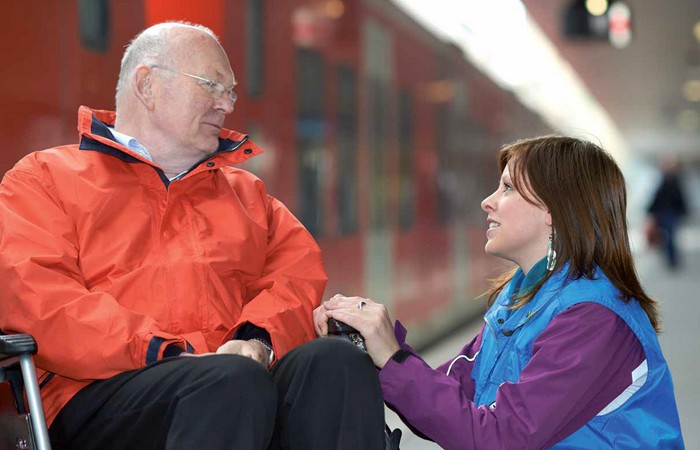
{"x":211,"y":84}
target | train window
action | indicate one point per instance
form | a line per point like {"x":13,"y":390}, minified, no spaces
{"x":347,"y":150}
{"x":377,"y":50}
{"x":406,"y":155}
{"x":479,"y":170}
{"x":254,"y":48}
{"x":93,"y":22}
{"x":378,"y":125}
{"x":444,"y":178}
{"x":310,"y":135}
{"x":451,"y":148}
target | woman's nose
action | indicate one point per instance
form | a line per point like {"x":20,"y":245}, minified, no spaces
{"x":486,"y":203}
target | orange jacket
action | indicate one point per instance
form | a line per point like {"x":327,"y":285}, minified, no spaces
{"x":106,"y":263}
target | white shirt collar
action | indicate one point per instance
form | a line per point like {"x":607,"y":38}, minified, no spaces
{"x":131,"y":143}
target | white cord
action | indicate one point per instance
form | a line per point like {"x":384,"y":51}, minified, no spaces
{"x":461,"y":356}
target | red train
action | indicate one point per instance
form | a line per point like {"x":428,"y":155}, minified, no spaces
{"x":379,"y":136}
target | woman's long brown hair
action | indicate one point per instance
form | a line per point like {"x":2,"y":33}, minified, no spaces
{"x":584,"y":191}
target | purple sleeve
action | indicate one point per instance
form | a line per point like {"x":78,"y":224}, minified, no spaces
{"x":580,"y":363}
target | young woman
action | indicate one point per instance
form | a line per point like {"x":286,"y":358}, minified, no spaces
{"x":568,"y":356}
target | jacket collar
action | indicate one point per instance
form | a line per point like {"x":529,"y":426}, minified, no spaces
{"x":94,"y":129}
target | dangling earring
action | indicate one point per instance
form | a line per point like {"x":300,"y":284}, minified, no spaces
{"x":551,"y":253}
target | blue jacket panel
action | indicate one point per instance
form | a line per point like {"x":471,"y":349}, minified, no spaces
{"x":644,"y":416}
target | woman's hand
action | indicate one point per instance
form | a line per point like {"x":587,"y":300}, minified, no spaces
{"x":371,"y":320}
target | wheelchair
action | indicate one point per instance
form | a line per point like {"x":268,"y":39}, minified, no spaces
{"x":25,"y":429}
{"x":22,"y":424}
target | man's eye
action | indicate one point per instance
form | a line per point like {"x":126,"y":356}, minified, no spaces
{"x":211,"y":85}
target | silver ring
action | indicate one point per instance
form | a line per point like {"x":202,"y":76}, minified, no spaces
{"x":361,"y":305}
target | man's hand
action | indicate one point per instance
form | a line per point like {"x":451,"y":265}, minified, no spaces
{"x":252,"y":349}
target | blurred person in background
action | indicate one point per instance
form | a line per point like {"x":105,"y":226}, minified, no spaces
{"x":568,"y":356}
{"x":168,"y":292}
{"x":667,"y":209}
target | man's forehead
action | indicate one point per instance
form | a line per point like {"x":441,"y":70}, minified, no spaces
{"x":197,"y":50}
{"x":224,"y":74}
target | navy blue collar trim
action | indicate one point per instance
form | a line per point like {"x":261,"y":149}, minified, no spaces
{"x":98,"y":128}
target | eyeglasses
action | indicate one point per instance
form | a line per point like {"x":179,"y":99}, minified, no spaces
{"x":213,"y":87}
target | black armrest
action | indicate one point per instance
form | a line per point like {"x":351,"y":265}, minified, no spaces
{"x":16,"y":344}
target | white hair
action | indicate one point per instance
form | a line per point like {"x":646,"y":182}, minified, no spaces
{"x":150,"y":47}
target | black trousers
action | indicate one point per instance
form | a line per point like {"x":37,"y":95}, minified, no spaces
{"x":322,"y":395}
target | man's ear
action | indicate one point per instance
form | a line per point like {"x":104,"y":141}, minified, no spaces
{"x":143,"y":86}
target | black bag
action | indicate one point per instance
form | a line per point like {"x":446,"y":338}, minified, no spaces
{"x":344,"y":331}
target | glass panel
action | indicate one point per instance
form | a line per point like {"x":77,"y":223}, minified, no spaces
{"x":444,"y":178}
{"x":406,"y":162}
{"x":347,"y":150}
{"x":378,"y":49}
{"x":451,"y":141}
{"x":377,"y":124}
{"x":254,"y":48}
{"x":93,"y":20}
{"x":310,"y":135}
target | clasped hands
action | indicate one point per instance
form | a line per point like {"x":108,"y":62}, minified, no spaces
{"x":371,"y":319}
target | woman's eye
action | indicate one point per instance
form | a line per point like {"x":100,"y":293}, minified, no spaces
{"x":507,"y":187}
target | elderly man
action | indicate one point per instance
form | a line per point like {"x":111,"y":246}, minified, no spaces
{"x":160,"y":282}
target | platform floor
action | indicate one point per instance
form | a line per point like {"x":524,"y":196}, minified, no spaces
{"x":678,"y":294}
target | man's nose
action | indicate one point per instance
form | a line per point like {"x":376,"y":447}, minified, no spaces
{"x":225,"y":104}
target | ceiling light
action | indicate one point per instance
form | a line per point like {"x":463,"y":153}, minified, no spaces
{"x":597,"y":7}
{"x":696,"y":31}
{"x":334,"y":9}
{"x":441,"y":91}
